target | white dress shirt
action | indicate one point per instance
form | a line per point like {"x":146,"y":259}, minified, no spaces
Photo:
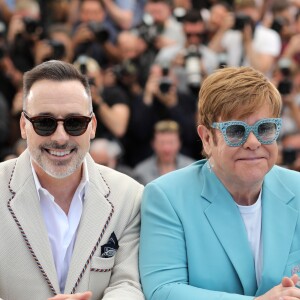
{"x":62,"y":228}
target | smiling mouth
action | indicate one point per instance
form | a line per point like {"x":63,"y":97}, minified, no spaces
{"x":59,"y":153}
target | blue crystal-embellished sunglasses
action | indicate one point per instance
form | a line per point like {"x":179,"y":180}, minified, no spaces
{"x":236,"y":133}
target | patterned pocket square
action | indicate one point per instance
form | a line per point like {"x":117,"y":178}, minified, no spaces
{"x":110,"y":249}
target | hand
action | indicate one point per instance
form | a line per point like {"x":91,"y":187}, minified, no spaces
{"x":286,"y":290}
{"x":82,"y":34}
{"x":42,"y":50}
{"x":168,"y":99}
{"x":16,"y":25}
{"x":77,"y":296}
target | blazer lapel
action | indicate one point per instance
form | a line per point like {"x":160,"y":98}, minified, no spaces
{"x":24,"y":207}
{"x":97,"y":213}
{"x":226,"y":221}
{"x":278,"y":226}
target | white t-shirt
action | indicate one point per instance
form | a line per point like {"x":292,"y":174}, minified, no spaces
{"x":252,"y":219}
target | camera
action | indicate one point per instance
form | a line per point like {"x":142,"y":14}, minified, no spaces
{"x":2,"y":51}
{"x":289,"y":156}
{"x":58,"y":49}
{"x":31,"y":25}
{"x":179,"y":13}
{"x":241,"y":21}
{"x":278,"y":24}
{"x":126,"y":69}
{"x":148,"y":30}
{"x":82,"y":59}
{"x":2,"y":29}
{"x":100,"y":31}
{"x":193,"y":67}
{"x":165,"y":81}
{"x":285,"y":85}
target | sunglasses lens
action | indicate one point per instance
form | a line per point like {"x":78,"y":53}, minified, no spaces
{"x":44,"y":126}
{"x":267,"y":131}
{"x":76,"y":125}
{"x":235,"y":133}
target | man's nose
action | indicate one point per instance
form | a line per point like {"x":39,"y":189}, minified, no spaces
{"x":60,"y":135}
{"x":252,"y":142}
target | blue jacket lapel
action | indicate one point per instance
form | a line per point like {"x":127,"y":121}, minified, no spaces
{"x":278,"y":224}
{"x":225,"y":219}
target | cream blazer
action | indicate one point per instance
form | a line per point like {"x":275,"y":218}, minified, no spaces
{"x":27,"y":270}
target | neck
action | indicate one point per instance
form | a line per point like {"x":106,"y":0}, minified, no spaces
{"x":165,"y":167}
{"x":246,"y":196}
{"x":62,"y":189}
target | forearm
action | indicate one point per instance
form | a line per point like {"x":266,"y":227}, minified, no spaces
{"x":215,"y":43}
{"x":114,"y":118}
{"x":259,"y":61}
{"x":124,"y":283}
{"x":120,"y":16}
{"x":6,"y":13}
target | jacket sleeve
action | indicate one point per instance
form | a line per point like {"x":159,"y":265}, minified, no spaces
{"x":125,"y":282}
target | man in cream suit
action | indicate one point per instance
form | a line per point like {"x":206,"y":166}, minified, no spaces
{"x":69,"y":227}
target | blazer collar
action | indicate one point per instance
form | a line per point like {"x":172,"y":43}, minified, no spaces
{"x":278,"y":224}
{"x":96,"y":216}
{"x":227,"y":223}
{"x":24,"y":206}
{"x":279,"y":220}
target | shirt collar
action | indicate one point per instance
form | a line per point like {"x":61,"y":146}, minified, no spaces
{"x":80,"y":189}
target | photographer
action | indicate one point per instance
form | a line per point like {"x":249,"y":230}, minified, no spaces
{"x":110,"y":104}
{"x":170,"y":32}
{"x":251,"y":42}
{"x":58,"y":45}
{"x":287,"y":81}
{"x":91,"y":36}
{"x":161,"y":100}
{"x":195,"y":60}
{"x":290,"y":150}
{"x":24,"y":30}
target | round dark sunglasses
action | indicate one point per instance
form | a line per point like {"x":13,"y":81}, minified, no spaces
{"x":46,"y":125}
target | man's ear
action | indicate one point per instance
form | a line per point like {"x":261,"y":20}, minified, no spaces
{"x":94,"y":126}
{"x":22,"y":126}
{"x":206,"y":138}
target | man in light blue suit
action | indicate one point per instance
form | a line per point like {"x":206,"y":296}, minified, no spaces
{"x":226,"y":227}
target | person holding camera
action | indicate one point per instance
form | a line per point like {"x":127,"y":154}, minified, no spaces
{"x":195,"y":60}
{"x":290,"y":150}
{"x":160,"y":100}
{"x":24,"y":31}
{"x":58,"y":45}
{"x":245,"y":39}
{"x":169,"y":30}
{"x":91,"y":35}
{"x":110,"y":103}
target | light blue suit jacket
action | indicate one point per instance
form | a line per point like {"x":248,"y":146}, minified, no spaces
{"x":194,"y":243}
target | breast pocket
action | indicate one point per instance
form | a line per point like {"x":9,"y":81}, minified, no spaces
{"x":100,"y":273}
{"x":293,"y":264}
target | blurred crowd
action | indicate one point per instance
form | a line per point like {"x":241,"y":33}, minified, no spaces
{"x":145,"y":60}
